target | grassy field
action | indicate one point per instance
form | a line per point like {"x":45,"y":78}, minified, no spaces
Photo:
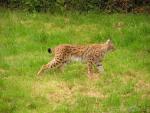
{"x":24,"y":39}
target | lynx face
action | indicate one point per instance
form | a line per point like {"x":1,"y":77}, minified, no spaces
{"x":91,"y":54}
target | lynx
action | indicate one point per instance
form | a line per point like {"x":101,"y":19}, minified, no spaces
{"x":91,"y":54}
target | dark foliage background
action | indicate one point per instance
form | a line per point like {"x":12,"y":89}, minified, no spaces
{"x":138,"y":6}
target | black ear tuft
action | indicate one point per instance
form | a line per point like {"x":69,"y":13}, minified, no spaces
{"x":49,"y":50}
{"x":110,"y":38}
{"x":108,"y":41}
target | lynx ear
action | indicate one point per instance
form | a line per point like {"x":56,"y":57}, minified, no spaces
{"x":108,"y":41}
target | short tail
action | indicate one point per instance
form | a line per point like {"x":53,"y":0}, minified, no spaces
{"x":49,"y":50}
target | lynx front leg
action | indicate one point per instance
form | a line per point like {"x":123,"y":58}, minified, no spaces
{"x":100,"y":68}
{"x":90,"y":69}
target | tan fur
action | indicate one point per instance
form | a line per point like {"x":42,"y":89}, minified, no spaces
{"x":91,"y":54}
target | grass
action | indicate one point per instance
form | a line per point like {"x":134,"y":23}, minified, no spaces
{"x":24,"y":39}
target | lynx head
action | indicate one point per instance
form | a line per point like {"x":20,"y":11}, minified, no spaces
{"x":110,"y":45}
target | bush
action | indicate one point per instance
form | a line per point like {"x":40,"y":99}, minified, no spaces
{"x":78,"y":5}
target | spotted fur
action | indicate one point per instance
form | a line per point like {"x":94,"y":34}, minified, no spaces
{"x":91,"y":54}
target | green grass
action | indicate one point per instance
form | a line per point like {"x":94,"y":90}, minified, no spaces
{"x":24,"y":39}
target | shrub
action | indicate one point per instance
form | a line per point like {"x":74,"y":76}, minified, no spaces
{"x":77,"y":5}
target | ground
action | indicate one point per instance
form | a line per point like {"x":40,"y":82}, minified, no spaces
{"x":24,"y":39}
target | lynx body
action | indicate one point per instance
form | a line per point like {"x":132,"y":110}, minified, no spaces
{"x":91,"y":54}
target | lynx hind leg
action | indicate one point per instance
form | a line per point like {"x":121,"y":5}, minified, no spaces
{"x":42,"y":69}
{"x":62,"y":66}
{"x":52,"y":64}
